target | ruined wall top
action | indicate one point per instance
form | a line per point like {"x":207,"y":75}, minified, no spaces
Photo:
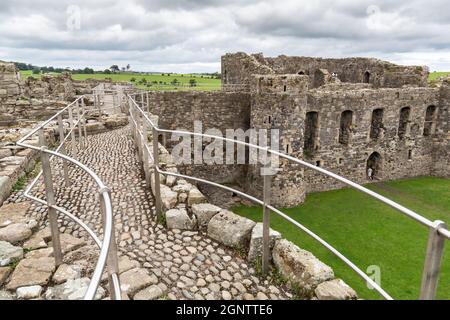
{"x":237,"y":68}
{"x":9,"y":80}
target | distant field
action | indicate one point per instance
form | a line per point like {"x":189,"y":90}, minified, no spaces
{"x":163,"y":81}
{"x":435,"y":75}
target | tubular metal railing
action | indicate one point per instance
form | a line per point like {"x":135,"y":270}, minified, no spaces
{"x":142,"y":124}
{"x":107,"y":246}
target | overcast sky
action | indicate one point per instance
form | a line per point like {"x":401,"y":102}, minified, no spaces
{"x":191,"y":35}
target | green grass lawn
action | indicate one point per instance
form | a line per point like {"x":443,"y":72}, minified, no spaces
{"x":164,"y":81}
{"x":371,"y":233}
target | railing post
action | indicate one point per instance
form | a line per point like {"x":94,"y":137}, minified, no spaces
{"x":50,"y":197}
{"x":112,"y":259}
{"x":80,"y":135}
{"x":83,"y":115}
{"x":137,"y":118}
{"x":99,"y":104}
{"x":96,"y":101}
{"x":63,"y":150}
{"x":164,"y":140}
{"x":433,"y":259}
{"x":142,"y":101}
{"x":267,"y":173}
{"x":72,"y":133}
{"x":148,"y":102}
{"x":145,"y":153}
{"x":157,"y":186}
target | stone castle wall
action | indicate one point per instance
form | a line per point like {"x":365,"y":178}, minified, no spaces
{"x":239,"y":67}
{"x":280,"y":111}
{"x":58,"y":87}
{"x":410,"y":155}
{"x":9,"y":81}
{"x":441,"y":146}
{"x":36,"y":99}
{"x":284,"y":101}
{"x":298,"y":94}
{"x":220,"y":110}
{"x":214,"y":109}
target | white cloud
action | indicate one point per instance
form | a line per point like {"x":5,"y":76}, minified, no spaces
{"x":191,"y":35}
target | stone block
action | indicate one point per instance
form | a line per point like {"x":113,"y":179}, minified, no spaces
{"x":204,"y":213}
{"x":299,"y":266}
{"x":9,"y":253}
{"x":195,"y":196}
{"x":256,"y":241}
{"x":15,"y":232}
{"x":179,"y":219}
{"x":335,"y":289}
{"x":230,"y":229}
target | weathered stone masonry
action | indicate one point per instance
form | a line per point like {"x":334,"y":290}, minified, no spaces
{"x":221,"y":110}
{"x":345,"y":115}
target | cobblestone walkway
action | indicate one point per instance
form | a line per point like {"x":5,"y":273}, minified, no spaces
{"x":188,"y":265}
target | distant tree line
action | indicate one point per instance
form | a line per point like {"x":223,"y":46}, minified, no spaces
{"x":113,"y":69}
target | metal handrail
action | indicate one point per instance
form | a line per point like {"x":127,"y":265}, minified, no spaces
{"x":437,"y":229}
{"x":108,"y":237}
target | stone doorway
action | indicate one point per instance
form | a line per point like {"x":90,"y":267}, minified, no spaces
{"x":367,"y":77}
{"x":374,"y":162}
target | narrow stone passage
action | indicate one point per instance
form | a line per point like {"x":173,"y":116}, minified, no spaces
{"x":173,"y":264}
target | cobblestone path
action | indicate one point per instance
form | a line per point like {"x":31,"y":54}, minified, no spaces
{"x":187,"y":265}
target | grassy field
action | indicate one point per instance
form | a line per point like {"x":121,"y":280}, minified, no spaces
{"x":370,"y":233}
{"x":435,"y":75}
{"x":163,"y":81}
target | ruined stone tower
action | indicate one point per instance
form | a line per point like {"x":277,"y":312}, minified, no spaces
{"x":345,"y":115}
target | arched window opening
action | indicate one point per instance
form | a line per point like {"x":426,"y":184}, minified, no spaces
{"x":367,"y":77}
{"x":374,"y":166}
{"x":403,"y":121}
{"x":377,"y":123}
{"x":430,"y":117}
{"x":345,"y":127}
{"x":311,"y":131}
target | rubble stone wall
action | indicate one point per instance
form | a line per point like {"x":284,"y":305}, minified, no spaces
{"x":215,"y":110}
{"x":237,"y":68}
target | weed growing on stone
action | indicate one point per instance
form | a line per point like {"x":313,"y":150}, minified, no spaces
{"x":299,"y":293}
{"x":20,"y":184}
{"x":13,"y":264}
{"x":241,"y":251}
{"x":162,"y":220}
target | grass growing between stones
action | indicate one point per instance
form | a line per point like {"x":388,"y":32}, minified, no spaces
{"x":370,"y":233}
{"x":20,"y":183}
{"x":24,"y":179}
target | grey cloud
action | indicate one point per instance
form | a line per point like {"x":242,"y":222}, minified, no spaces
{"x":192,"y":33}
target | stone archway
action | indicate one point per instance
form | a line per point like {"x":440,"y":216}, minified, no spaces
{"x":375,"y":163}
{"x":366,"y":77}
